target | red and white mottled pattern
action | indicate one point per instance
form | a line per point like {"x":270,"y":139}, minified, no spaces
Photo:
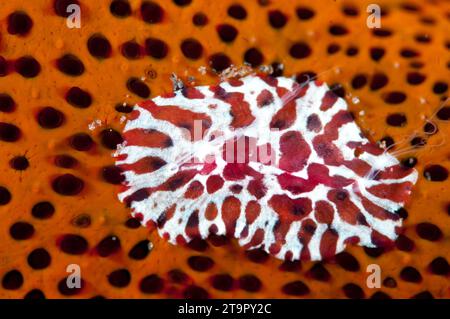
{"x":322,"y":185}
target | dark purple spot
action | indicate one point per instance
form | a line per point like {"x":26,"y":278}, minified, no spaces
{"x":429,"y":231}
{"x":3,"y":67}
{"x":250,"y":283}
{"x":178,"y":276}
{"x":295,"y":288}
{"x":67,"y":185}
{"x":7,"y":103}
{"x":191,"y":49}
{"x":138,"y":87}
{"x":387,"y":141}
{"x":222,"y":282}
{"x":410,"y":274}
{"x":428,"y":20}
{"x":19,"y":163}
{"x":82,"y":221}
{"x":415,"y":78}
{"x":353,"y":291}
{"x":350,"y":10}
{"x":423,"y":295}
{"x":333,"y":48}
{"x":19,"y":23}
{"x":78,"y":97}
{"x":133,"y":223}
{"x":140,"y":250}
{"x":396,"y":119}
{"x":305,"y":77}
{"x":440,"y":87}
{"x":65,"y":161}
{"x":12,"y":280}
{"x":359,"y":81}
{"x":69,"y":64}
{"x":418,"y":141}
{"x":198,"y":244}
{"x":319,"y":272}
{"x":35,"y":294}
{"x":394,"y":97}
{"x":390,"y":282}
{"x":151,"y":284}
{"x":43,"y":210}
{"x":300,"y":50}
{"x":352,"y":51}
{"x":5,"y":196}
{"x":200,"y":263}
{"x":119,"y":278}
{"x":435,"y":173}
{"x":131,"y":50}
{"x":254,"y":57}
{"x":404,"y":243}
{"x":81,"y":142}
{"x":409,"y":53}
{"x":382,"y":33}
{"x":200,"y":19}
{"x":409,"y":162}
{"x":227,"y":32}
{"x":120,"y":8}
{"x":258,"y":256}
{"x":99,"y":46}
{"x":410,"y":7}
{"x":277,"y":19}
{"x":422,"y":38}
{"x":21,"y":231}
{"x":27,"y":66}
{"x":373,"y":252}
{"x":444,"y":113}
{"x":219,"y":62}
{"x":151,"y":12}
{"x":50,"y":118}
{"x":112,"y":175}
{"x":416,"y":64}
{"x":277,"y":69}
{"x":182,"y":3}
{"x":380,"y":295}
{"x":195,"y":292}
{"x":237,"y":11}
{"x":111,"y":138}
{"x":73,"y":244}
{"x":378,"y":81}
{"x":402,"y":212}
{"x":108,"y":246}
{"x":337,"y":89}
{"x":337,"y":30}
{"x":439,"y":266}
{"x":39,"y":259}
{"x":156,"y":48}
{"x":347,"y":261}
{"x":124,"y":108}
{"x":377,"y":53}
{"x":304,"y":13}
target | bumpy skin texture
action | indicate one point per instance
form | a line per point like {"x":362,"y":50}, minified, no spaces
{"x":279,"y":165}
{"x":408,"y":56}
